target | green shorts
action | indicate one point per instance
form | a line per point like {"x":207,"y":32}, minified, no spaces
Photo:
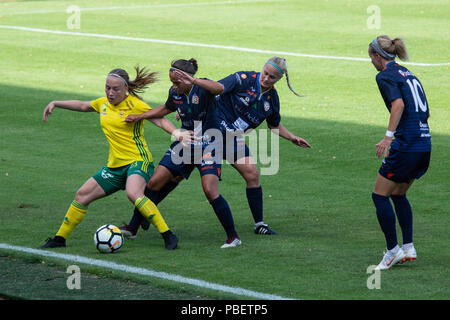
{"x":115,"y":179}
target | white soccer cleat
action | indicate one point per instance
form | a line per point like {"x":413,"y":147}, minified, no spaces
{"x":390,"y":259}
{"x":410,"y":254}
{"x":232,"y":242}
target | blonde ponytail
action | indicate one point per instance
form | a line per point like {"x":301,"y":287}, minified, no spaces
{"x":280,"y":64}
{"x":395,"y":47}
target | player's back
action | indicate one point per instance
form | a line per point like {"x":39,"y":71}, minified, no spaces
{"x":412,"y":133}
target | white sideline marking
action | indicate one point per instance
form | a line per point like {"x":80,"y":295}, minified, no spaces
{"x":168,"y":5}
{"x":216,"y":46}
{"x":144,"y":272}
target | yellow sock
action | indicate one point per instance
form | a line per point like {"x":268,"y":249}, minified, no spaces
{"x":149,"y":210}
{"x":73,"y":217}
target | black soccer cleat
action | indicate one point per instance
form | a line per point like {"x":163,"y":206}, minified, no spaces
{"x":170,"y":240}
{"x":56,"y":242}
{"x":264,"y":229}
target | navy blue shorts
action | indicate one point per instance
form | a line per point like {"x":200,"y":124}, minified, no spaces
{"x":181,"y":161}
{"x":402,"y":167}
{"x":234,"y":148}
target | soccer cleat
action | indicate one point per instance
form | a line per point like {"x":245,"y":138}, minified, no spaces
{"x":233,"y":241}
{"x":55,"y":242}
{"x":410,"y":254}
{"x":390,"y":259}
{"x":264,"y":229}
{"x":128,"y":231}
{"x":170,"y":240}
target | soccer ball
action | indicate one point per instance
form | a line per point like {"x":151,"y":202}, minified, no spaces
{"x":108,"y":238}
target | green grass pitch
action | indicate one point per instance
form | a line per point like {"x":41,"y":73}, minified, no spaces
{"x":319,"y":201}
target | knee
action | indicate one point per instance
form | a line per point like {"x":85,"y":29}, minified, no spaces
{"x":133,"y":196}
{"x":251,"y":176}
{"x":82,"y":197}
{"x":211,"y":192}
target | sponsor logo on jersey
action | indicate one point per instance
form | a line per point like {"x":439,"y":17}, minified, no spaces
{"x":405,"y":73}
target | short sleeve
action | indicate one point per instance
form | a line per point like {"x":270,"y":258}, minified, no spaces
{"x":275,"y":118}
{"x":231,"y":82}
{"x":170,"y":104}
{"x":97,"y":103}
{"x":141,"y":107}
{"x":388,"y":89}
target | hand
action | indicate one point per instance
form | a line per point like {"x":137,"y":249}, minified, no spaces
{"x":177,"y":117}
{"x":183,"y":77}
{"x":132,"y":118}
{"x":184,"y":136}
{"x":300,"y":142}
{"x":383,"y":147}
{"x":48,"y":111}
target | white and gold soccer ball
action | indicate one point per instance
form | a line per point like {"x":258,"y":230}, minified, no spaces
{"x":108,"y":238}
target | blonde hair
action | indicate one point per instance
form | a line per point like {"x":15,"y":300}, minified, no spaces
{"x":396,"y":47}
{"x":280,"y":64}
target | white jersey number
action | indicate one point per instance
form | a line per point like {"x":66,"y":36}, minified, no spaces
{"x":414,"y":85}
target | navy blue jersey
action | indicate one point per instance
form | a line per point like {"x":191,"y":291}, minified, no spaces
{"x":243,"y":106}
{"x":412,"y":133}
{"x":196,"y":108}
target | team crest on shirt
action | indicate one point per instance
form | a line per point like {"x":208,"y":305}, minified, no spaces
{"x":243,"y":76}
{"x":103,"y":109}
{"x":195,"y":99}
{"x":266,"y":106}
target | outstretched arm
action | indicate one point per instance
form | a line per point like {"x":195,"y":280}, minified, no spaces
{"x":184,"y":136}
{"x":286,"y":134}
{"x":155,"y":113}
{"x":74,"y":105}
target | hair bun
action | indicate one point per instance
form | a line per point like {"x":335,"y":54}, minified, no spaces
{"x":194,"y":63}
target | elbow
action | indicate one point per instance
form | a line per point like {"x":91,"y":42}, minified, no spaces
{"x":219,"y":89}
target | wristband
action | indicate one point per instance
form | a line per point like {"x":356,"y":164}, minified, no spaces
{"x":389,"y":133}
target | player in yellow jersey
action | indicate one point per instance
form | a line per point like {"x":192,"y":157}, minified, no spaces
{"x":130,"y":163}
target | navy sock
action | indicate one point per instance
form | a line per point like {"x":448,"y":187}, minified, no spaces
{"x":224,"y":215}
{"x":255,"y":201}
{"x":404,"y":215}
{"x":165,"y":190}
{"x":386,"y":219}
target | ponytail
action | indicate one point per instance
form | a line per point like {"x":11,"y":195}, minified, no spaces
{"x":400,"y":49}
{"x":394,"y":47}
{"x":137,"y":86}
{"x":280,"y":64}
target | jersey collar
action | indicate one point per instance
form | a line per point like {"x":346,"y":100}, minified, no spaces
{"x":260,"y":93}
{"x":389,"y":64}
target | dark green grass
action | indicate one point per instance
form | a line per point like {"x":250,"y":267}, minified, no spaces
{"x":46,"y":281}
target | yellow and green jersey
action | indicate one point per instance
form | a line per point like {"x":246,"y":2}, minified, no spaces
{"x":126,"y":140}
